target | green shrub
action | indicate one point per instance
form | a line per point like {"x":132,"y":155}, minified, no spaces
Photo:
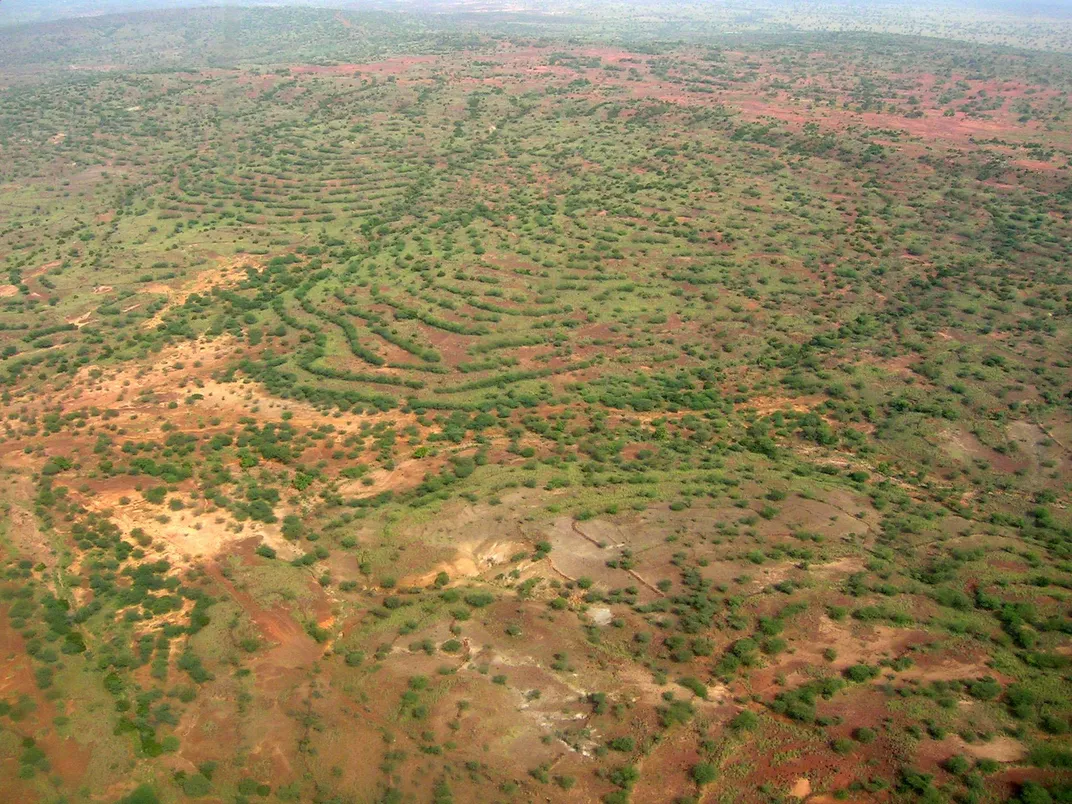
{"x":196,"y":786}
{"x":744,"y":720}
{"x":704,"y":773}
{"x":842,"y":745}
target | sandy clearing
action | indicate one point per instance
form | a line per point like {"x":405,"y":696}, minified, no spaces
{"x":801,"y":788}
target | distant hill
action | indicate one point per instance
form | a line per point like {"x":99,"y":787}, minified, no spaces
{"x":1036,"y":25}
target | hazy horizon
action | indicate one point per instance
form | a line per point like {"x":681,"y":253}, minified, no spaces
{"x":24,"y":11}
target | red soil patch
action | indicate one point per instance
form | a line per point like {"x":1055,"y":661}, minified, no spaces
{"x":293,"y":647}
{"x":67,"y":757}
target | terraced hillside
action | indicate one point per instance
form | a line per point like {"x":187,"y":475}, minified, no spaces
{"x":512,"y":418}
